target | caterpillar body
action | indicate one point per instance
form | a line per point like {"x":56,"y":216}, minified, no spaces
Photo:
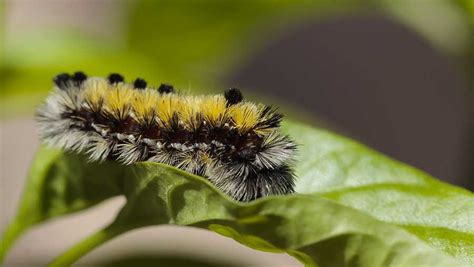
{"x":235,"y":144}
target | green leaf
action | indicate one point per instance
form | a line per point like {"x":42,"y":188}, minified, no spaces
{"x":354,"y":207}
{"x":59,"y":184}
{"x":356,"y":176}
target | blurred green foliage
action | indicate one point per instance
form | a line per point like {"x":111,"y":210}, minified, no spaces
{"x":187,"y":43}
{"x":201,"y":40}
{"x":193,"y":43}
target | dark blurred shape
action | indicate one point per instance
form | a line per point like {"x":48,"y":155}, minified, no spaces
{"x":61,"y":80}
{"x":165,"y":88}
{"x":233,"y":96}
{"x":165,"y":261}
{"x":378,"y":81}
{"x":115,"y":78}
{"x":79,"y":77}
{"x":139,"y":83}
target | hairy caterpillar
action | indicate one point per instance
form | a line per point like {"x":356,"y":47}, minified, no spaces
{"x":234,"y":143}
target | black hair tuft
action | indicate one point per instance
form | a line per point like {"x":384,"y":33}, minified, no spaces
{"x":139,"y":83}
{"x":270,"y":118}
{"x":79,"y":77}
{"x":165,"y":88}
{"x":233,"y":96}
{"x":62,"y":80}
{"x":115,"y":78}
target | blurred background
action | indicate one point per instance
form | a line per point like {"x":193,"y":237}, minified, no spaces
{"x":397,"y":76}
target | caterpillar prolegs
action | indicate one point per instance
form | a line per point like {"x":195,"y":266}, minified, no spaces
{"x":235,"y":144}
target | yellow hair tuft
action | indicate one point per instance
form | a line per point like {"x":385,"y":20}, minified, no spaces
{"x":144,"y":104}
{"x":94,"y":93}
{"x":118,"y":98}
{"x":213,"y":109}
{"x":245,"y":115}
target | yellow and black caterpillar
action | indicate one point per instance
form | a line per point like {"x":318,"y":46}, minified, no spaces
{"x":234,"y":143}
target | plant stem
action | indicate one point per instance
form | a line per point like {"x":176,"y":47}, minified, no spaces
{"x":12,"y":233}
{"x":86,"y":245}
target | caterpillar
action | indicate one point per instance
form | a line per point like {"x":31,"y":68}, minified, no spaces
{"x":236,"y":144}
